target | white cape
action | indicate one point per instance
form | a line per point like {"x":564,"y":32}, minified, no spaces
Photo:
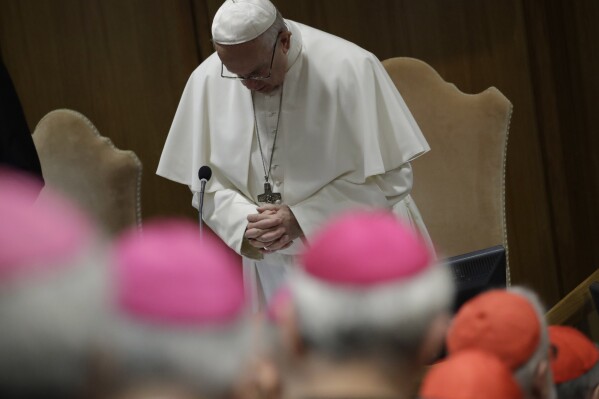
{"x":342,"y":121}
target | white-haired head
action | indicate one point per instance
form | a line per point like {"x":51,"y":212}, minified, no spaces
{"x":510,"y":324}
{"x":528,"y":373}
{"x":369,"y":286}
{"x":574,"y":363}
{"x":52,"y":292}
{"x":179,"y":312}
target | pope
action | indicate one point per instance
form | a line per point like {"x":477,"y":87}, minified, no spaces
{"x":297,"y":125}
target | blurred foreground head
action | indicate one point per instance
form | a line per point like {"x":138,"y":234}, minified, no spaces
{"x":52,"y":289}
{"x":574,"y":362}
{"x":511,"y":325}
{"x":470,"y":374}
{"x":370,"y":294}
{"x":179,"y":311}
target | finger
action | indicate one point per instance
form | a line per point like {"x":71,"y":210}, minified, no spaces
{"x":253,"y":233}
{"x":256,"y":244}
{"x":278,"y":244}
{"x":271,"y":248}
{"x":258,"y":235}
{"x":255,"y":217}
{"x":260,"y":244}
{"x":272,"y":235}
{"x":265,"y":224}
{"x":266,"y":211}
{"x":287,"y":245}
{"x":268,"y":207}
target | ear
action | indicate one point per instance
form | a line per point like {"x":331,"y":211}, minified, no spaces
{"x":595,"y":393}
{"x":542,"y":384}
{"x":285,"y":41}
{"x":261,"y":380}
{"x":434,"y":338}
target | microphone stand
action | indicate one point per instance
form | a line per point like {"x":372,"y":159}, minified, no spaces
{"x":201,"y":208}
{"x":204,"y":174}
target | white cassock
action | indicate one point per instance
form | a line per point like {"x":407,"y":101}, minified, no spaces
{"x":345,"y":139}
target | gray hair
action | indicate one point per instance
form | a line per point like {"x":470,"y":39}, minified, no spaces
{"x":526,"y":373}
{"x":271,"y":34}
{"x":206,"y":359}
{"x":49,"y":320}
{"x":579,"y":387}
{"x":389,"y":320}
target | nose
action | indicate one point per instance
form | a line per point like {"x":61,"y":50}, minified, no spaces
{"x":251,"y":84}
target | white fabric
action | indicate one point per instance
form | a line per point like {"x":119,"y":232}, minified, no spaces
{"x":345,"y":139}
{"x":239,"y":21}
{"x":264,"y":277}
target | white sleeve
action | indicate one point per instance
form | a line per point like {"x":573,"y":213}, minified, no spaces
{"x":396,"y":183}
{"x":225,"y":212}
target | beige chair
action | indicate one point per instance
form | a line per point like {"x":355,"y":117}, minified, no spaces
{"x":459,"y":186}
{"x":577,"y":309}
{"x":87,"y":167}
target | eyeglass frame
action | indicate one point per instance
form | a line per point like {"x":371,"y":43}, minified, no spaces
{"x":249,"y":77}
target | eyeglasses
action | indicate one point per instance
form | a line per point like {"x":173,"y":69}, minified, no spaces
{"x":251,"y":76}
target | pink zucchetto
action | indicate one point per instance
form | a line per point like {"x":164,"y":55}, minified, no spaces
{"x":37,"y":232}
{"x":364,"y":248}
{"x":167,"y":274}
{"x":240,"y":21}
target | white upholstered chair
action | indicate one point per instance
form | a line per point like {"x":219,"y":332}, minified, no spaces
{"x":459,"y":186}
{"x":86,"y":166}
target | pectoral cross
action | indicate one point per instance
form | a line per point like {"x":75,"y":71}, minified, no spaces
{"x":268,"y":196}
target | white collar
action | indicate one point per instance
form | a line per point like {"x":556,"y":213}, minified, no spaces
{"x":296,"y":43}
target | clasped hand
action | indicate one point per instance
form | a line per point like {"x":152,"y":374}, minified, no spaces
{"x":273,"y":228}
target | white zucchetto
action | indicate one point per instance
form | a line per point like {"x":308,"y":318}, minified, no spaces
{"x":239,"y":21}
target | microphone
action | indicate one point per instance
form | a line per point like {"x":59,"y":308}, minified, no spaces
{"x":204,"y":174}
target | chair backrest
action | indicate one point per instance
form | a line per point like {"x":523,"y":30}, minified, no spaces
{"x":459,"y":186}
{"x":577,"y":309}
{"x":87,"y":167}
